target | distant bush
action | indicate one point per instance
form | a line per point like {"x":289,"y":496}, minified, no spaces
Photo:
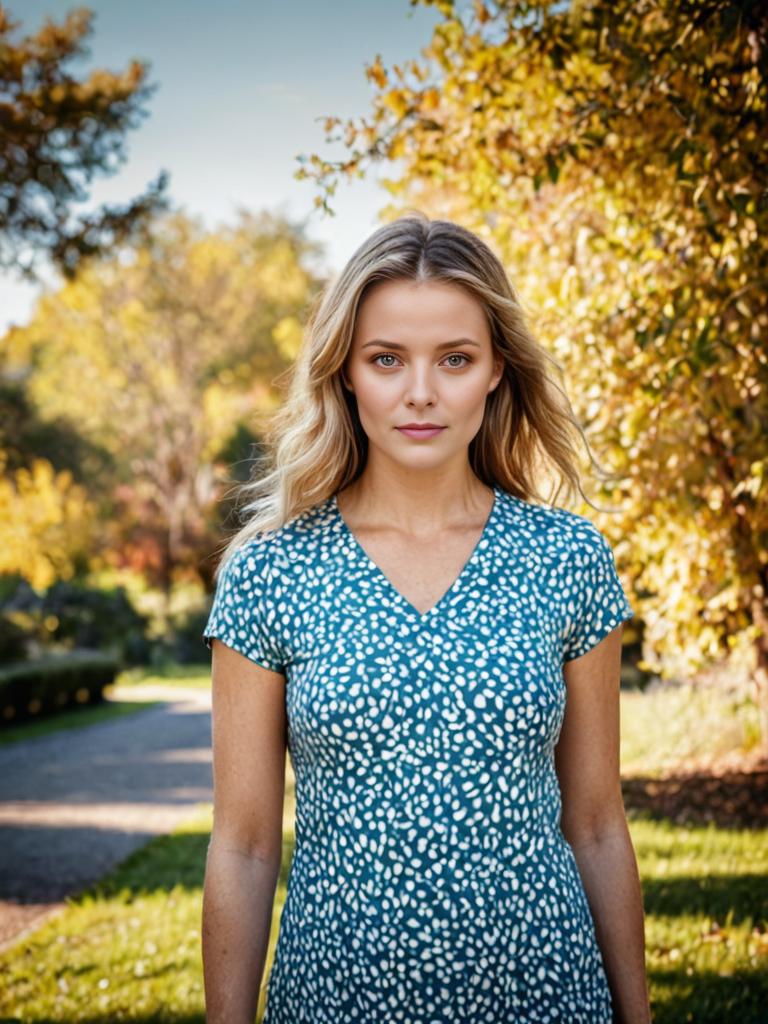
{"x":54,"y":682}
{"x":70,"y":615}
{"x":12,"y":641}
{"x":184,"y":644}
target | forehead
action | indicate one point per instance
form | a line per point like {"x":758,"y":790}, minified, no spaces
{"x":409,"y":310}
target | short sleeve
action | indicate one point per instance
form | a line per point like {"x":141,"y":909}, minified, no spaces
{"x":243,"y":615}
{"x":596,"y":601}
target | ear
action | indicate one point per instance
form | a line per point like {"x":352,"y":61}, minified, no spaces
{"x":498,"y":373}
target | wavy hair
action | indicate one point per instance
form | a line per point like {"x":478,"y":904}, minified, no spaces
{"x":314,"y":443}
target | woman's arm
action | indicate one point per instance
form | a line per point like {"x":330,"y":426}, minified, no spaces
{"x":243,"y":863}
{"x":594,"y":822}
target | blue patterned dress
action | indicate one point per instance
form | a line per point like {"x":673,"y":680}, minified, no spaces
{"x":430,"y":880}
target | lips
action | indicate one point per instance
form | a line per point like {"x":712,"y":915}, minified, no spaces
{"x":421,"y":432}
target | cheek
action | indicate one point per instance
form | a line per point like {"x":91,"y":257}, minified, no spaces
{"x":375,"y":393}
{"x":467,"y":398}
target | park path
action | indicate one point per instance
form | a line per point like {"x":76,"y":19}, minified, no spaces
{"x":75,"y":803}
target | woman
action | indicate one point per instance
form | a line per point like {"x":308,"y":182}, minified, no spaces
{"x":401,"y":616}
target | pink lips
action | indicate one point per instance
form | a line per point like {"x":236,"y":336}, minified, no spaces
{"x":421,"y":432}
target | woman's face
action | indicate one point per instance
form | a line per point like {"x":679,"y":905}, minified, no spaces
{"x":421,"y":353}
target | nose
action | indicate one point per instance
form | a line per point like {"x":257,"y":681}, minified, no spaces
{"x":419,"y":386}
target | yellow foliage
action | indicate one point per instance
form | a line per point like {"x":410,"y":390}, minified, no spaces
{"x":287,"y":334}
{"x":430,"y":100}
{"x":397,"y":100}
{"x":47,"y":523}
{"x":376,"y":73}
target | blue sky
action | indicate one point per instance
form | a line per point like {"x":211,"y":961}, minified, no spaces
{"x":240,"y":84}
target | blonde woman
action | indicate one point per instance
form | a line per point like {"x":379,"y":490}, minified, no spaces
{"x":439,"y":653}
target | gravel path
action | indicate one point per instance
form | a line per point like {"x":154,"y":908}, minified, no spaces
{"x":75,"y":803}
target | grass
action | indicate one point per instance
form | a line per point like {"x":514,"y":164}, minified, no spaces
{"x":198,"y":675}
{"x":666,"y":727}
{"x":129,"y":948}
{"x":706,"y":913}
{"x":126,"y":949}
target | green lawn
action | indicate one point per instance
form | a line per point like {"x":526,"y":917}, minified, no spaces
{"x":181,"y":675}
{"x":130,"y":948}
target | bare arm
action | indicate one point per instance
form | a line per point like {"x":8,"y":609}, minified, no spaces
{"x":243,"y":863}
{"x":595,"y":825}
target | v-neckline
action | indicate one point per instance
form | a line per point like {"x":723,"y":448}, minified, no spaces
{"x":377,"y":572}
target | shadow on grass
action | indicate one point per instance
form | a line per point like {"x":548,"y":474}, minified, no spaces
{"x":744,"y":897}
{"x":705,"y":997}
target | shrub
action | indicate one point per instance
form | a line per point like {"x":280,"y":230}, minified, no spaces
{"x":49,"y":684}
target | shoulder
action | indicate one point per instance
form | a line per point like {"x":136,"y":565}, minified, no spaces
{"x":286,"y":547}
{"x":244,"y":570}
{"x":557,"y":529}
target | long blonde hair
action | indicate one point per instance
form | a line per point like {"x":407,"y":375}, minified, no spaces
{"x":315,"y":445}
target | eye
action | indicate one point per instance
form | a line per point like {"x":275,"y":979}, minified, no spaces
{"x":453,"y":355}
{"x":459,"y":355}
{"x":383,"y":355}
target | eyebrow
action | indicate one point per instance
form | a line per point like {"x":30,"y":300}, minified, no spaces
{"x":443,"y":344}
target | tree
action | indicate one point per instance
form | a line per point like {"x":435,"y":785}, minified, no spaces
{"x":617,"y":156}
{"x":26,"y":438}
{"x":156,"y":355}
{"x":56,"y":133}
{"x":48,"y":523}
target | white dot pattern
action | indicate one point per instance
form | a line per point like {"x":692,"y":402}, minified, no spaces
{"x":430,"y":879}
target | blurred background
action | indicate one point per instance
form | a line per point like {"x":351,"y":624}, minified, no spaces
{"x":177,"y":183}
